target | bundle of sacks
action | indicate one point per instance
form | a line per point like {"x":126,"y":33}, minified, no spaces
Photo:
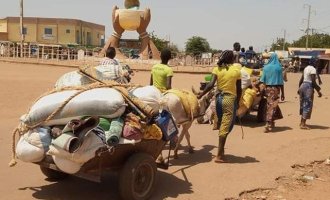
{"x":71,"y":125}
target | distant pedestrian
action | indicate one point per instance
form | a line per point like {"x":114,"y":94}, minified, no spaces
{"x":307,"y":85}
{"x":250,"y":54}
{"x":236,"y":51}
{"x":2,"y":50}
{"x":272,"y":77}
{"x":296,"y":64}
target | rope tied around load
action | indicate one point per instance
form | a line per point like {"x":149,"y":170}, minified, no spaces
{"x":143,"y":110}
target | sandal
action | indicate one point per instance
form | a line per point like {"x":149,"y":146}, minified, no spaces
{"x":268,"y":128}
{"x":219,"y":160}
{"x":304,"y":127}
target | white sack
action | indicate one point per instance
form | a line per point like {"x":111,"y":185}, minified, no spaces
{"x":103,"y":102}
{"x":32,"y":146}
{"x":149,"y":95}
{"x":72,"y":79}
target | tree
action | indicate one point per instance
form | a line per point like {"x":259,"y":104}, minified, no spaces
{"x":197,"y":45}
{"x":162,"y":43}
{"x":318,"y":40}
{"x":278,"y":45}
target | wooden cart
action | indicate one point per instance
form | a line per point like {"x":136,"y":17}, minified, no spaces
{"x":135,"y":164}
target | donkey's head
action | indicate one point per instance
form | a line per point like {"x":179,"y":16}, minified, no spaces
{"x":204,"y":102}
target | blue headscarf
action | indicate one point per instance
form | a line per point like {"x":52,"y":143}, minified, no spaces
{"x":272,"y":72}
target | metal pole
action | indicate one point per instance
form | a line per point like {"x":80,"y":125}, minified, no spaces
{"x":284,"y":43}
{"x":311,"y":40}
{"x":284,"y":40}
{"x":308,"y":23}
{"x":21,"y":27}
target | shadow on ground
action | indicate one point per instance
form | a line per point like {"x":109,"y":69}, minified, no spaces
{"x":74,"y":188}
{"x":278,"y":129}
{"x":318,"y":127}
{"x":250,"y":120}
{"x":240,"y":160}
{"x":202,"y":155}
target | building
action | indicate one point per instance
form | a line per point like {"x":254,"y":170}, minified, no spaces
{"x":304,"y":56}
{"x":52,"y":31}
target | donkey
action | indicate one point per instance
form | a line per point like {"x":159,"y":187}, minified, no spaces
{"x":173,"y":103}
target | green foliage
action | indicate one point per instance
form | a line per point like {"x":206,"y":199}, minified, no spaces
{"x":278,"y":45}
{"x":197,"y":45}
{"x":314,"y":41}
{"x":214,"y":51}
{"x":162,"y":44}
{"x":319,"y":40}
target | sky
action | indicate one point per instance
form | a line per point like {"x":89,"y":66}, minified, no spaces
{"x":221,"y":22}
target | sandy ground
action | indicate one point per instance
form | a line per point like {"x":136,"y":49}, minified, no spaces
{"x":254,"y":162}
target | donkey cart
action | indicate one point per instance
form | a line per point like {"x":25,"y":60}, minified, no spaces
{"x":135,"y":165}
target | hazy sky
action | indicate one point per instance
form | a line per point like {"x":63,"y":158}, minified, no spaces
{"x":221,"y":22}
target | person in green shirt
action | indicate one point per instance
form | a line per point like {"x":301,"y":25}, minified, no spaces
{"x":161,"y":74}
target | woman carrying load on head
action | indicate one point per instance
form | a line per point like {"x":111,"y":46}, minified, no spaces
{"x":272,"y":77}
{"x":227,"y":75}
{"x":307,"y":85}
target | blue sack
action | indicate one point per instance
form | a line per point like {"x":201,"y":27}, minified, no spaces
{"x":166,"y":123}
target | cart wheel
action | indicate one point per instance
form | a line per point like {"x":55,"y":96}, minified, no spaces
{"x":137,"y":178}
{"x":53,"y":174}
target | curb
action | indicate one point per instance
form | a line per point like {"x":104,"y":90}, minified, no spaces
{"x":192,"y":70}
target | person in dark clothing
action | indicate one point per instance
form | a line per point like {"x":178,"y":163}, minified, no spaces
{"x":250,"y":54}
{"x":236,"y":51}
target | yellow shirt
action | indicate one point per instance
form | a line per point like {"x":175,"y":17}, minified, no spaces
{"x":227,"y":77}
{"x":248,"y":70}
{"x":159,"y":73}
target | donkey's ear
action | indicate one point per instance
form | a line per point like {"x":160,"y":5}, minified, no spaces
{"x":194,"y":90}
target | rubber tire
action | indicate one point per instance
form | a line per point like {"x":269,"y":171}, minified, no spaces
{"x":140,"y":168}
{"x":53,"y":174}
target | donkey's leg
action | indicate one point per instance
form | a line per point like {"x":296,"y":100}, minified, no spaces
{"x":175,"y":154}
{"x":160,"y":158}
{"x":185,"y":130}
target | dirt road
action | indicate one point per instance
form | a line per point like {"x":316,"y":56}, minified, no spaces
{"x":254,"y":161}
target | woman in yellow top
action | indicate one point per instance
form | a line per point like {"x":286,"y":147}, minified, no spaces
{"x":161,"y":74}
{"x":227,"y":75}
